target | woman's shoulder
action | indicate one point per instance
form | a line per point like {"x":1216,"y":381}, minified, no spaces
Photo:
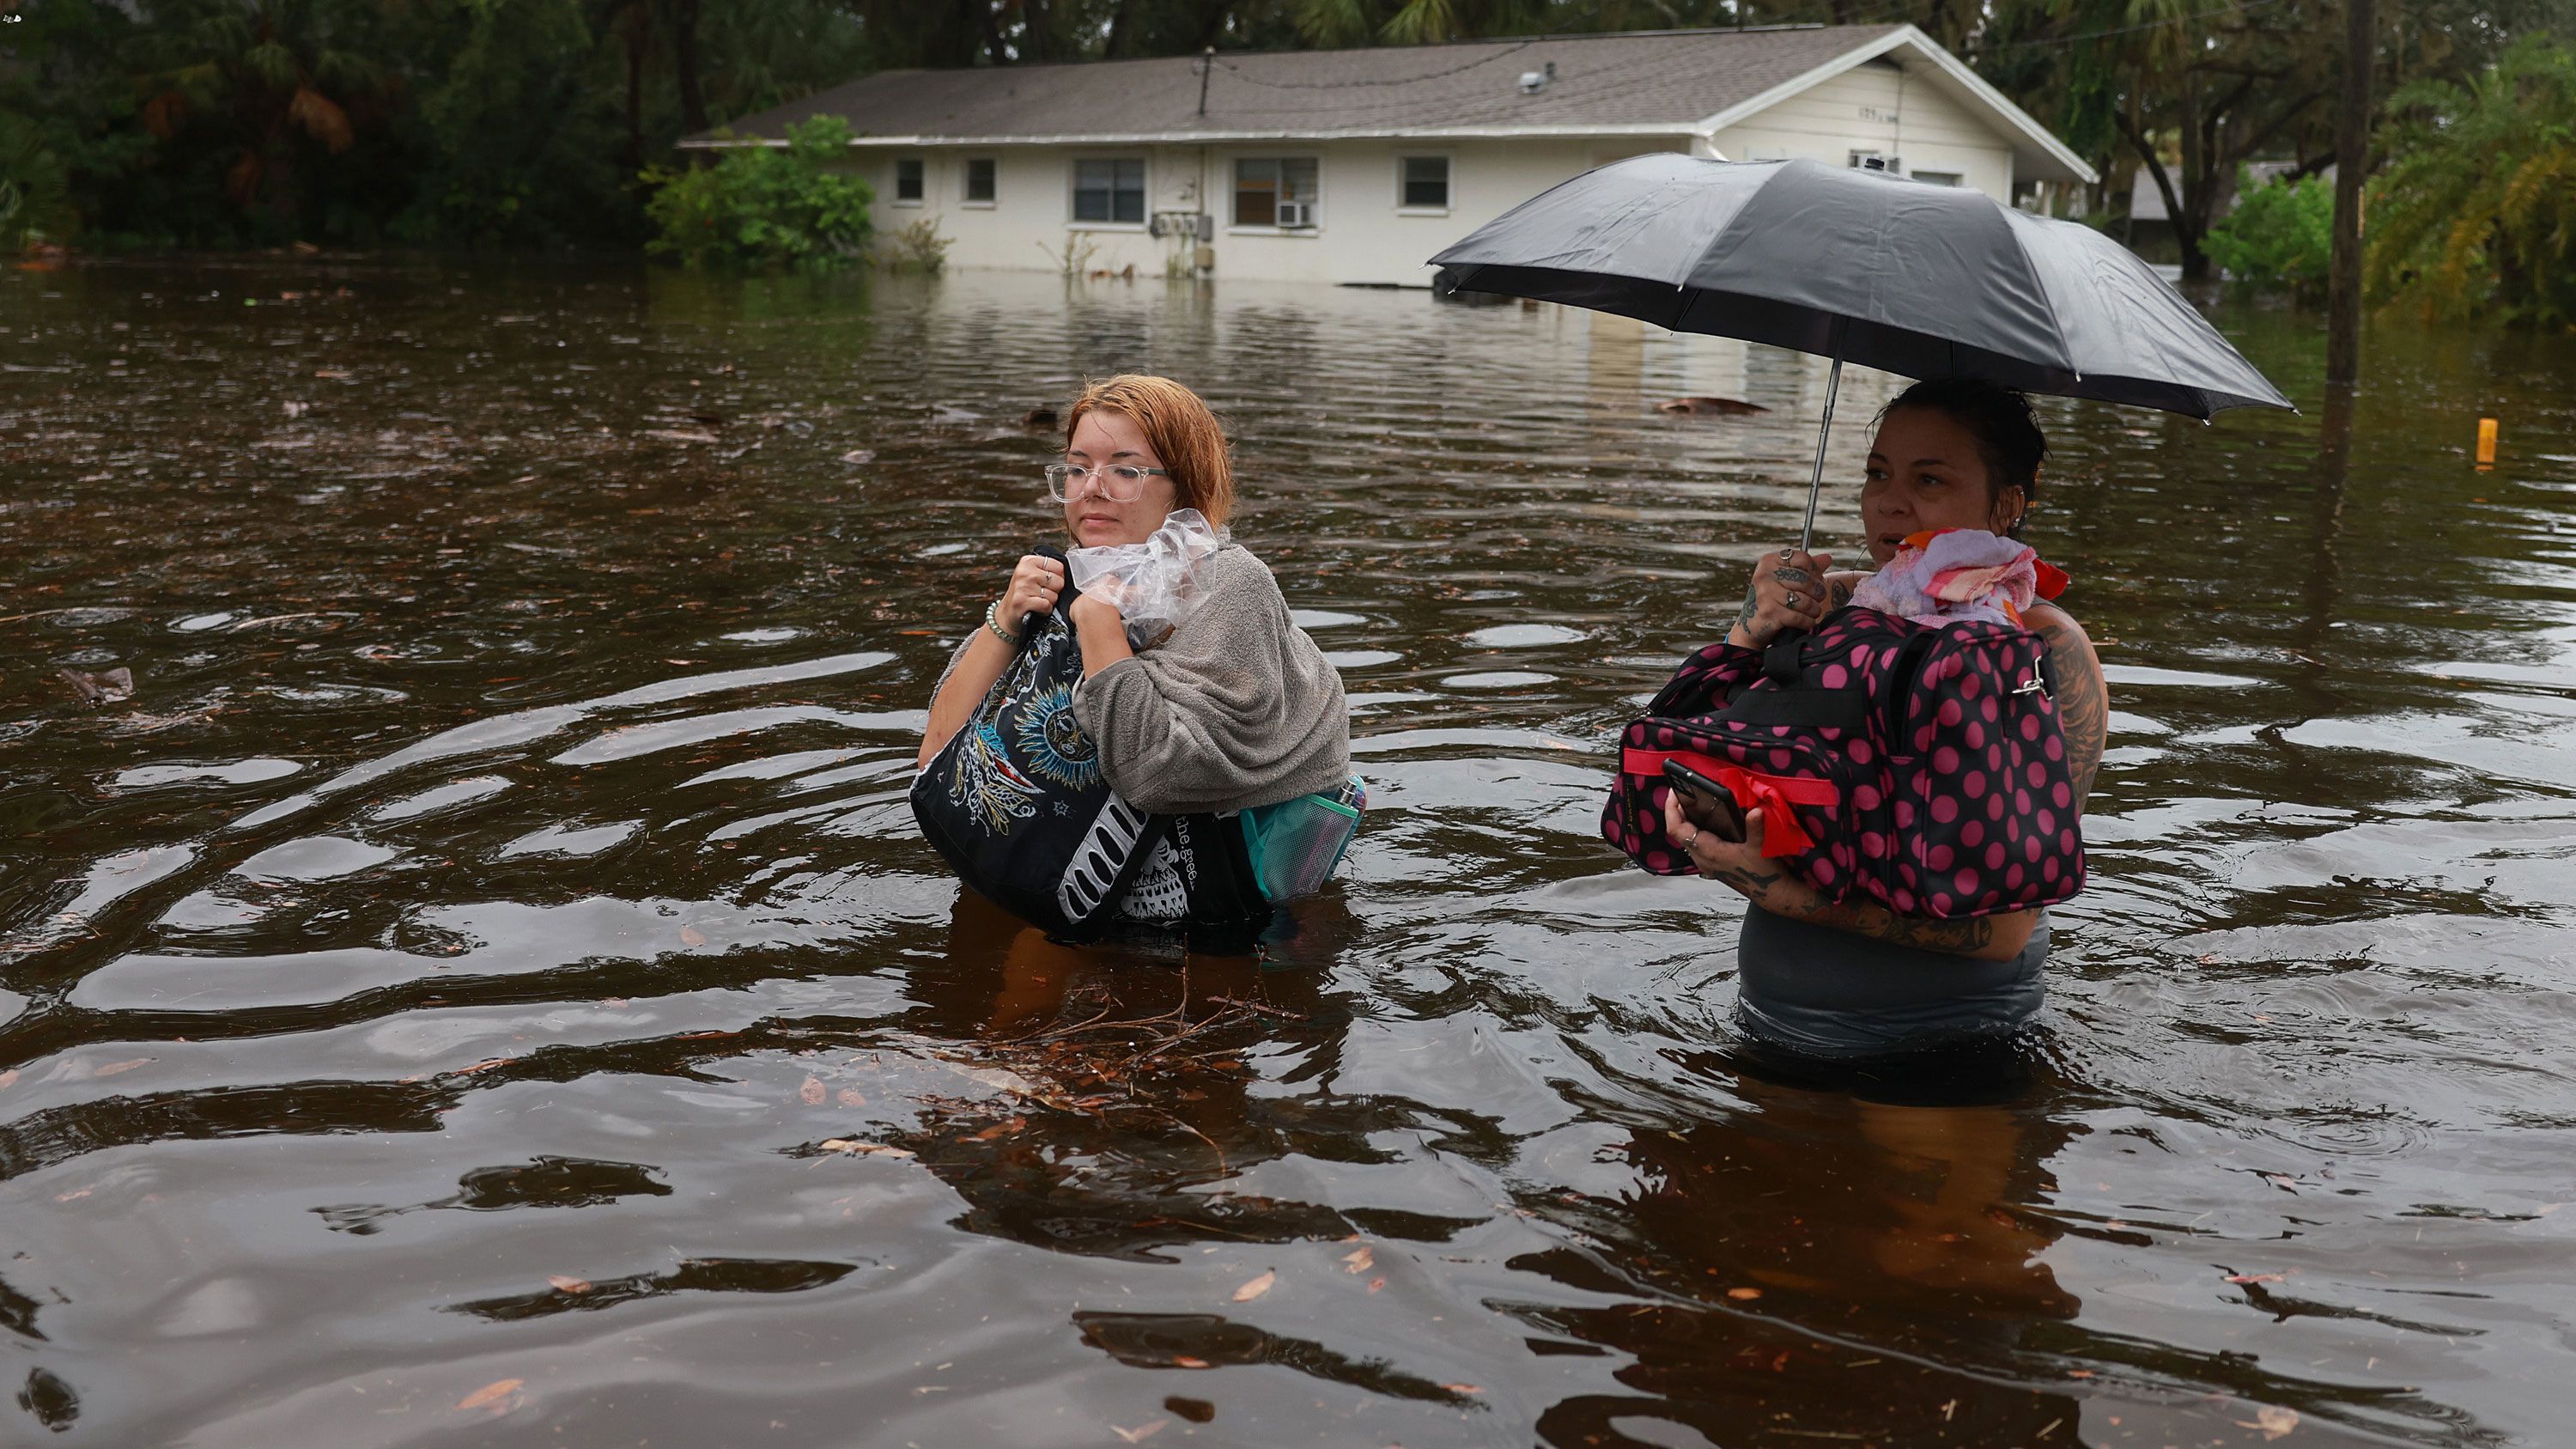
{"x":2050,"y":620}
{"x":1232,"y":561}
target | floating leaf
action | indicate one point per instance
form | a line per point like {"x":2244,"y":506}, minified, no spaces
{"x":1361,"y":1259}
{"x":490,"y":1394}
{"x":1376,"y":1283}
{"x":692,"y":936}
{"x":1141,"y":1432}
{"x":1745,"y":1295}
{"x":813,"y":1092}
{"x":1462,"y":1388}
{"x":2275,"y":1421}
{"x":2257,"y":1277}
{"x":1185,"y":1361}
{"x":566,"y":1283}
{"x":853,"y":1145}
{"x":850,"y":1097}
{"x":1255,"y":1288}
{"x":1000,"y":1129}
{"x":112,"y":1068}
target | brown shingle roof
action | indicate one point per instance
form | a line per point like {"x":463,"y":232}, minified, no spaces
{"x":1666,"y":79}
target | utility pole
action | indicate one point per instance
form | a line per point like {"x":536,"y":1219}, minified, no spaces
{"x":2352,"y":159}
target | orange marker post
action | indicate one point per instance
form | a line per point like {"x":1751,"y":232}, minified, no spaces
{"x":2486,"y":442}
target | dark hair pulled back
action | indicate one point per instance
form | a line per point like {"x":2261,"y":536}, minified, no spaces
{"x":1999,"y":418}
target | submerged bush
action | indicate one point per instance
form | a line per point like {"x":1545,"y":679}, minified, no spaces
{"x":2278,"y":236}
{"x":764,"y":207}
{"x":916,"y":248}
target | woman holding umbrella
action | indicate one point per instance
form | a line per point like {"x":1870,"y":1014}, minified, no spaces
{"x":1854,"y":978}
{"x":1922,"y":281}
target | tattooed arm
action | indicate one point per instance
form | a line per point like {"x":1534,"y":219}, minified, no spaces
{"x":2083,"y":700}
{"x":1740,"y":865}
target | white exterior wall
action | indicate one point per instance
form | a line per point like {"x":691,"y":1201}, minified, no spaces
{"x":1362,"y":234}
{"x":1881,"y":108}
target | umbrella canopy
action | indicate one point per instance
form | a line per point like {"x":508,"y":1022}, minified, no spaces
{"x":1862,"y":266}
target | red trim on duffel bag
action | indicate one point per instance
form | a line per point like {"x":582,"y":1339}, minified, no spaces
{"x":1773,"y":794}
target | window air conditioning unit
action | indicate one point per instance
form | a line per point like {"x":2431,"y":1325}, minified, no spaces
{"x":1294,"y":214}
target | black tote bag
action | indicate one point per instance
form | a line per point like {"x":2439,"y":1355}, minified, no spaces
{"x":1020,"y":808}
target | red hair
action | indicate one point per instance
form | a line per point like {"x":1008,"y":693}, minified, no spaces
{"x":1181,"y":430}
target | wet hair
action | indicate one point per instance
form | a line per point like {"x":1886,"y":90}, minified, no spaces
{"x":1999,"y":418}
{"x":1181,"y":430}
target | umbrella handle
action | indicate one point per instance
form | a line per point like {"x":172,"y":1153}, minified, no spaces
{"x":1824,"y":430}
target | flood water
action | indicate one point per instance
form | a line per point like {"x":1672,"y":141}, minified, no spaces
{"x":425,"y":1003}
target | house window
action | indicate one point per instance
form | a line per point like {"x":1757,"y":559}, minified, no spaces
{"x":1876,"y":161}
{"x":979,"y":181}
{"x":907,"y":181}
{"x":1940,"y":178}
{"x":1423,"y":183}
{"x":1111,"y":191}
{"x":1275,"y":192}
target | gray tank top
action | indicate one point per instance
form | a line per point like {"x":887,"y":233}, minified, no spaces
{"x":1825,"y":992}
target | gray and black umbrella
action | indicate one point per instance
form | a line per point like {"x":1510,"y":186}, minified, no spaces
{"x":1861,"y":266}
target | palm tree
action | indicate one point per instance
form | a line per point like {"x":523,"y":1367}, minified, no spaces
{"x":259,"y":78}
{"x":2476,"y":213}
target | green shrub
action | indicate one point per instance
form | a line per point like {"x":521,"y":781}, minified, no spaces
{"x":763,"y":208}
{"x":2279,"y":235}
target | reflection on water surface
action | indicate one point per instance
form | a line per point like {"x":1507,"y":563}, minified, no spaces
{"x":484,"y":984}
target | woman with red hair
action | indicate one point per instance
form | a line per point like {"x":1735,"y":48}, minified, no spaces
{"x":1235,"y":708}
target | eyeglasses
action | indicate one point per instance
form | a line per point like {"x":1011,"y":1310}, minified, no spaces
{"x":1117,"y":482}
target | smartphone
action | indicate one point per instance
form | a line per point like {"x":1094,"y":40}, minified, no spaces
{"x":1713,"y":806}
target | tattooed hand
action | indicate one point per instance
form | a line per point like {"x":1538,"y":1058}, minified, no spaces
{"x":1787,"y":591}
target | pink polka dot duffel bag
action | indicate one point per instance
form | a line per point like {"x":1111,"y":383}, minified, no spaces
{"x":1919,"y":766}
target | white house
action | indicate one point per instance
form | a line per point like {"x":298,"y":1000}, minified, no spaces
{"x":1352,"y":166}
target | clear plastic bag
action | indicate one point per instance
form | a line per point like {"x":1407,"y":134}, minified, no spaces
{"x":1154,"y":583}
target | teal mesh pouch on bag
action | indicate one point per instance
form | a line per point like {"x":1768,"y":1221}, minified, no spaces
{"x":1295,"y":844}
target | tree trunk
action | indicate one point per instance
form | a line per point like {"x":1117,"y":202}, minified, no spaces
{"x":684,"y":61}
{"x":634,"y":157}
{"x":2191,"y":219}
{"x":995,"y":48}
{"x":2352,"y":159}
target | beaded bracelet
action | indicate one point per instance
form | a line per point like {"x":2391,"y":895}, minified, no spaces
{"x":993,"y":621}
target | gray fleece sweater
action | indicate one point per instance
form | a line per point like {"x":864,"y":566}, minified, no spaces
{"x":1236,"y":708}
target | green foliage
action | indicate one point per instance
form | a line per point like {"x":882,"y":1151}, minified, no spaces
{"x":35,"y":193}
{"x":2279,"y":235}
{"x":2476,"y":214}
{"x":522,"y":136}
{"x":764,"y":208}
